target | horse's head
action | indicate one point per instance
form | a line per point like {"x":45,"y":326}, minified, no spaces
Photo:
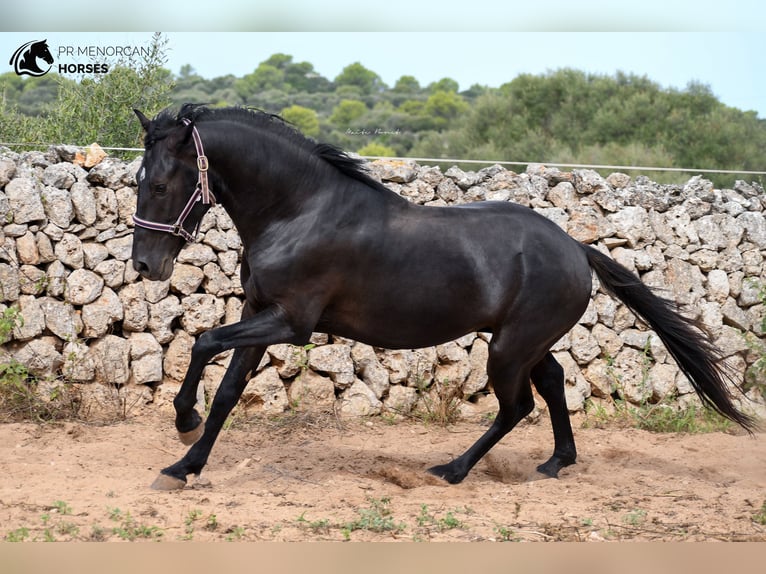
{"x":167,"y":211}
{"x":40,"y":50}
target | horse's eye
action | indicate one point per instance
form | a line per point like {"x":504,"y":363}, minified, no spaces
{"x":159,"y":188}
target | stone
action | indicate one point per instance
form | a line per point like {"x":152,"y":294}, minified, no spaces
{"x":288,"y":359}
{"x":94,"y":154}
{"x":126,"y":204}
{"x":216,"y":282}
{"x":602,"y":378}
{"x":632,"y":369}
{"x":24,"y":200}
{"x":93,"y":254}
{"x":69,"y":251}
{"x":111,"y":355}
{"x":369,"y":369}
{"x":26,"y":249}
{"x":145,"y":358}
{"x":186,"y":279}
{"x":451,"y":352}
{"x":44,"y":248}
{"x":398,"y":171}
{"x":79,"y":365}
{"x":663,"y":381}
{"x":58,"y":208}
{"x":269,"y":389}
{"x":576,"y":387}
{"x":332,"y":359}
{"x":178,"y":355}
{"x":359,"y":401}
{"x":40,"y":356}
{"x":632,"y":223}
{"x":585,"y":346}
{"x":202,"y":312}
{"x":754,"y":225}
{"x":587,"y":181}
{"x":311,"y":392}
{"x":61,"y":175}
{"x":56,"y":279}
{"x":61,"y":318}
{"x":107,"y":215}
{"x":83,"y":203}
{"x":7,"y":170}
{"x":197,"y":254}
{"x":10,"y":287}
{"x":111,"y":270}
{"x":477,"y":359}
{"x":98,"y":316}
{"x":32,"y":319}
{"x":120,"y":247}
{"x":161,"y":317}
{"x":83,"y":287}
{"x":587,"y":225}
{"x":401,"y":400}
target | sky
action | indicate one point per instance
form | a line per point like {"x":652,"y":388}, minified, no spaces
{"x":487,"y":42}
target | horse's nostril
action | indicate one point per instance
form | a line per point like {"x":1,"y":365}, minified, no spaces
{"x":140,"y":267}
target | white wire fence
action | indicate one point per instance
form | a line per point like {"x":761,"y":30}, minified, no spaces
{"x":455,"y":161}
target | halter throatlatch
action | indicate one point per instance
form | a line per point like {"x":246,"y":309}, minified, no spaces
{"x":201,"y":193}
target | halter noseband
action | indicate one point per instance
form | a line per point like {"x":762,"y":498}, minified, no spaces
{"x":201,"y":192}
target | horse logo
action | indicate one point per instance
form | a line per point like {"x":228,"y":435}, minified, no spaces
{"x":24,"y":59}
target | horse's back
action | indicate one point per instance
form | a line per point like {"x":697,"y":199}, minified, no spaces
{"x":431,"y":274}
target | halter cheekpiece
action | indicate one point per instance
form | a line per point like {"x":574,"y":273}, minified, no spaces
{"x":201,"y":193}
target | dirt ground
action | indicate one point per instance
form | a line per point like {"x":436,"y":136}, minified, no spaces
{"x":312,"y":477}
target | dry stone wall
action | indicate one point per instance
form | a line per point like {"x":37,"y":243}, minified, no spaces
{"x":65,"y":247}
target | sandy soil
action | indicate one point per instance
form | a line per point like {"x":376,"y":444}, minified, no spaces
{"x":309,"y":477}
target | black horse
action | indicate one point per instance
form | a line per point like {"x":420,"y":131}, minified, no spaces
{"x":24,"y":59}
{"x":328,"y":249}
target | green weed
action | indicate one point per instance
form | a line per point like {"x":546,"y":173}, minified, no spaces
{"x":375,"y":518}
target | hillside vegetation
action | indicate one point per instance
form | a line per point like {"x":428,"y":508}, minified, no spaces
{"x":564,"y":115}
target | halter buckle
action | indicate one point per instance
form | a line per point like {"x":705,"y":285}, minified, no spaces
{"x":202,"y":163}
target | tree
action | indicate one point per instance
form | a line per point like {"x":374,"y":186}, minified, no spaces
{"x":357,"y":75}
{"x":375,"y":149}
{"x":346,"y":112}
{"x":100,"y":108}
{"x":443,"y":85}
{"x":406,"y":85}
{"x":306,"y":120}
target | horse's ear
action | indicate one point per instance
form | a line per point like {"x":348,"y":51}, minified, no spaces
{"x":143,"y":119}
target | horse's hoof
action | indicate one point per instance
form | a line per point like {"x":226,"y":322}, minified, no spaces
{"x":166,"y":482}
{"x":446,"y":472}
{"x":189,"y":438}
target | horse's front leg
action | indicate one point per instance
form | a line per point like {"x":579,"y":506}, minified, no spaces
{"x":243,"y":363}
{"x":250,"y":337}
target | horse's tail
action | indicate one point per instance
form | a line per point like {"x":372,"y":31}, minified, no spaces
{"x":684,"y":338}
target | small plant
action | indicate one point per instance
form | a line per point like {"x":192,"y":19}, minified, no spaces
{"x":427,"y":519}
{"x":506,"y":534}
{"x":211,"y":523}
{"x":635,"y":517}
{"x":440,"y":402}
{"x":129,"y":529}
{"x":760,"y":516}
{"x":10,"y":319}
{"x":235,"y":533}
{"x":18,"y":535}
{"x":321,"y":526}
{"x":62,"y":507}
{"x":376,"y":518}
{"x":191,"y":518}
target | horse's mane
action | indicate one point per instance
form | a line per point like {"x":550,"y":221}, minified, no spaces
{"x":349,"y":166}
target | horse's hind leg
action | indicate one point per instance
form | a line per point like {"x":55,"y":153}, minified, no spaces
{"x":510,"y":378}
{"x":548,"y":378}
